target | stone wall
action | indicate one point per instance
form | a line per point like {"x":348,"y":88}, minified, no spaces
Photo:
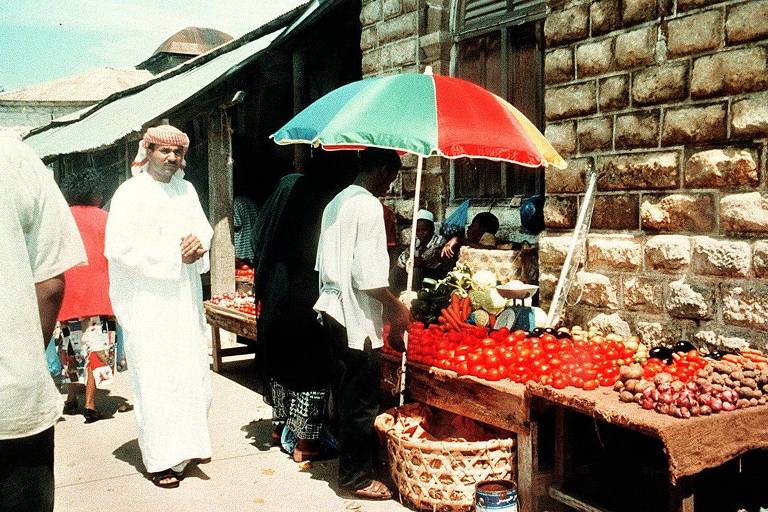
{"x":668,"y":100}
{"x":389,"y":43}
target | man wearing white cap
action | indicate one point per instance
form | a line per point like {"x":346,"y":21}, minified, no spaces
{"x":428,"y":243}
{"x":157,"y":240}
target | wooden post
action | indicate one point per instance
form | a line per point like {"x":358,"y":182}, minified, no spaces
{"x":220,"y":205}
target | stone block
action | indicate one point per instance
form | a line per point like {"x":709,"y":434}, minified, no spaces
{"x":713,"y":340}
{"x":747,"y":21}
{"x":660,"y":84}
{"x":403,"y":52}
{"x":696,"y":33}
{"x":614,"y":92}
{"x":570,"y":101}
{"x":562,"y":136}
{"x":594,"y":58}
{"x":571,"y":180}
{"x":643,"y":294}
{"x":658,"y":333}
{"x":639,"y":130}
{"x":744,"y":213}
{"x":695,"y":300}
{"x":636,"y":11}
{"x":368,"y":38}
{"x":370,"y":13}
{"x":722,"y":168}
{"x":729,"y":258}
{"x":596,"y":290}
{"x":636,"y":48}
{"x":614,"y":252}
{"x":570,"y":24}
{"x":678,"y":212}
{"x":547,"y":285}
{"x":398,"y":28}
{"x":558,"y":65}
{"x":749,"y":116}
{"x":553,"y":250}
{"x":391,"y":8}
{"x":594,"y":133}
{"x":604,"y":16}
{"x":694,"y":124}
{"x":731,"y":72}
{"x":431,"y":184}
{"x":656,"y":170}
{"x":746,"y":306}
{"x":560,"y":212}
{"x":686,"y":5}
{"x":371,"y":63}
{"x":410,"y":5}
{"x":610,"y":324}
{"x":760,"y":258}
{"x":618,"y":212}
{"x":668,"y":253}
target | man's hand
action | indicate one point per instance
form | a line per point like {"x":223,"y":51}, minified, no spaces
{"x":448,"y":248}
{"x":399,"y":318}
{"x":191,"y":249}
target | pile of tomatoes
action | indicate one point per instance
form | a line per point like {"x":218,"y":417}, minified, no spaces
{"x":519,"y":356}
{"x":244,"y":270}
{"x":683,"y":366}
{"x":239,"y":301}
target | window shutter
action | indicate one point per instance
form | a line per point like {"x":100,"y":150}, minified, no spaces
{"x":476,"y":12}
{"x":480,"y":14}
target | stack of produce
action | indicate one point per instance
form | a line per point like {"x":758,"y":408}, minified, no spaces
{"x":239,"y":301}
{"x":692,"y":385}
{"x":544,"y":356}
{"x":244,"y":271}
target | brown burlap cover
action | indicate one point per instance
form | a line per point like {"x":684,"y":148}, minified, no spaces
{"x":691,"y":445}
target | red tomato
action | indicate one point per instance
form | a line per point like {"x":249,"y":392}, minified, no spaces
{"x":589,"y":385}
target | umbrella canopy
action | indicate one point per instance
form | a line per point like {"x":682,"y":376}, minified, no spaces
{"x":423,"y":114}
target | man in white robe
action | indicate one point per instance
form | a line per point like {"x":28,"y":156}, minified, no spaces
{"x":157,"y":240}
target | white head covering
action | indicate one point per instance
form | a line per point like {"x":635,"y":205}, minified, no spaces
{"x":425,"y":215}
{"x":164,"y":135}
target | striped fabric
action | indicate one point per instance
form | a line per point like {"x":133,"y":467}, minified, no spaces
{"x":245,"y":214}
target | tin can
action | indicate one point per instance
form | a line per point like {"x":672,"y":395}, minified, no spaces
{"x":496,"y":496}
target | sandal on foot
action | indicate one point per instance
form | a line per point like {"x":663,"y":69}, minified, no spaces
{"x":300,"y":455}
{"x":373,"y":491}
{"x":166,"y":479}
{"x":92,"y":415}
{"x":70,"y":407}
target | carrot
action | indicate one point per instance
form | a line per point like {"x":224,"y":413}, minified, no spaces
{"x":454,"y":300}
{"x":755,"y":358}
{"x":466,"y":308}
{"x":453,"y":322}
{"x":732,"y":358}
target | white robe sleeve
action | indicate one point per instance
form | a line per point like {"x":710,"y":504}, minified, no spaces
{"x":131,"y":242}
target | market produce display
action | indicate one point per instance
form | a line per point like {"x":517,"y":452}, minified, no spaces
{"x":244,"y":271}
{"x":239,"y":301}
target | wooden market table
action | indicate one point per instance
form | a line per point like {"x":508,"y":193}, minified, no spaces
{"x":689,"y":446}
{"x":502,"y":404}
{"x":233,"y":321}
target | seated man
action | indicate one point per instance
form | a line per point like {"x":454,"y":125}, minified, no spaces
{"x":427,"y":259}
{"x":481,"y":234}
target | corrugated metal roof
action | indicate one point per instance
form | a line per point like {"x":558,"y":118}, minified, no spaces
{"x":105,"y":125}
{"x":90,"y":87}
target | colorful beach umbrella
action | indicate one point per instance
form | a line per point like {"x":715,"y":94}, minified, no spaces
{"x":426,"y":115}
{"x":423,"y":114}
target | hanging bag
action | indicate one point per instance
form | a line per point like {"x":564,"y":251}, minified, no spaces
{"x":454,"y":224}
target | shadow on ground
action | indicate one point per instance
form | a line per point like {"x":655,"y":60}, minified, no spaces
{"x":260,"y":434}
{"x":131,"y":453}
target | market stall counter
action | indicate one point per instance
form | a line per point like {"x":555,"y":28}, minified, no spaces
{"x":691,"y":445}
{"x":236,"y":315}
{"x":502,"y":404}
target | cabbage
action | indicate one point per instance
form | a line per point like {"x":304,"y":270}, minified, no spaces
{"x":483,"y":280}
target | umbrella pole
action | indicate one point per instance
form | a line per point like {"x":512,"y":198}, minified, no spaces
{"x":409,"y":268}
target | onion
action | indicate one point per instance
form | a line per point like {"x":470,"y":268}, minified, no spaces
{"x":695,"y":410}
{"x":665,"y":398}
{"x":705,"y":398}
{"x":728,"y":406}
{"x":663,"y":408}
{"x":647,"y":391}
{"x":705,"y":410}
{"x":692,"y":386}
{"x":647,"y":403}
{"x":716,"y":404}
{"x":677,"y":386}
{"x":664,"y":387}
{"x":685,"y":413}
{"x":655,"y":395}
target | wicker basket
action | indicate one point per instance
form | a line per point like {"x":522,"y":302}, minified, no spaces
{"x":440,"y":476}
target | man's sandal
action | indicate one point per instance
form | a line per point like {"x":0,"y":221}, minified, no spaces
{"x":373,"y":491}
{"x":166,"y":479}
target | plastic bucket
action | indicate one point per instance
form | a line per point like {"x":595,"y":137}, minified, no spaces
{"x":496,"y":495}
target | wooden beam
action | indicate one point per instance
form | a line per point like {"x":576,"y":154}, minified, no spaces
{"x":220,"y":214}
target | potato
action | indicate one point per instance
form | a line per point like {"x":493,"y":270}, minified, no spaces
{"x":750,"y":383}
{"x":626,"y":396}
{"x":631,"y":385}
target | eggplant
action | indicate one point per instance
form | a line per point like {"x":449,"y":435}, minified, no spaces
{"x":538,"y":331}
{"x":563,"y":335}
{"x":663,"y":353}
{"x":549,"y":330}
{"x":683,"y":346}
{"x":716,"y":354}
